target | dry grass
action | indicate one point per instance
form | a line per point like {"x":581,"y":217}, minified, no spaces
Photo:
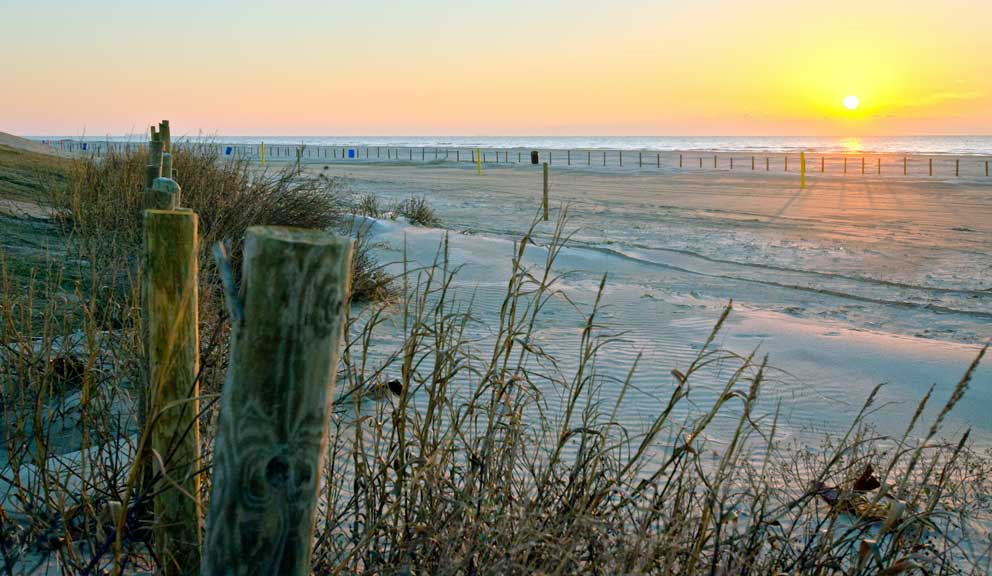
{"x":470,"y":468}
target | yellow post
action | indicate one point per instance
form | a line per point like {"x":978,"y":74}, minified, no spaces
{"x":802,"y":170}
{"x":263,"y":153}
{"x":478,"y":159}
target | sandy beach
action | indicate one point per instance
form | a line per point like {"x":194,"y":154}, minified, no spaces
{"x":845,"y":284}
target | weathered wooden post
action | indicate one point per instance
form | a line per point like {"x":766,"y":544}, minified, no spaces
{"x":786,"y":162}
{"x":823,"y":164}
{"x":166,"y":136}
{"x":879,"y":169}
{"x":680,"y":160}
{"x":700,"y":161}
{"x":640,"y":159}
{"x":752,"y":163}
{"x":170,"y":288}
{"x":657,"y":159}
{"x":957,"y":166}
{"x":986,"y":168}
{"x":731,"y":162}
{"x":276,"y":402}
{"x":845,"y":164}
{"x":714,"y":161}
{"x":862,"y":165}
{"x":931,"y":166}
{"x":621,"y":157}
{"x":905,"y":165}
{"x":588,"y":157}
{"x":545,"y":191}
{"x":569,"y":151}
{"x":768,"y":164}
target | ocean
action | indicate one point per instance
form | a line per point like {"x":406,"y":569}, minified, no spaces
{"x":951,"y":145}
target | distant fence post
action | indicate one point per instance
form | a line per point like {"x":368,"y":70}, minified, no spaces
{"x":957,"y":166}
{"x":862,"y":165}
{"x":170,"y":287}
{"x":786,"y":162}
{"x":845,"y":164}
{"x":802,"y":170}
{"x":276,"y":402}
{"x":478,"y":160}
{"x":879,"y":169}
{"x":931,"y":166}
{"x":823,"y":164}
{"x":545,"y":191}
{"x":905,"y":165}
{"x":680,"y":160}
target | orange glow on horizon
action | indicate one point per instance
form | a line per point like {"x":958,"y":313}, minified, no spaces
{"x":717,"y":67}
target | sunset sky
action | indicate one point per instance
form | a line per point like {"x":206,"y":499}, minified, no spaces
{"x":465,"y":67}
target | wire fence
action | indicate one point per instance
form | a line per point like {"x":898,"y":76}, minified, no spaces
{"x":884,"y":164}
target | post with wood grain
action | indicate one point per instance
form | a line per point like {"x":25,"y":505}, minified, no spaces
{"x":170,"y":429}
{"x":277,"y":401}
{"x":545,"y":191}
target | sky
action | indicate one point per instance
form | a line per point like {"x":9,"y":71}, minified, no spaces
{"x":507,"y":67}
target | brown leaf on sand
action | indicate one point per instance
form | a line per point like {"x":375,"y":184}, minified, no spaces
{"x":867,"y":481}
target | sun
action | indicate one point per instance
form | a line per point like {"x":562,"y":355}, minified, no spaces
{"x":851,"y":102}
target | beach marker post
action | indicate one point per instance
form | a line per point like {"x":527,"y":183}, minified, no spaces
{"x":588,"y":157}
{"x":931,"y":166}
{"x":862,"y":165}
{"x":802,"y":170}
{"x":569,"y":157}
{"x":986,"y":168}
{"x":752,"y":163}
{"x":768,"y":164}
{"x":786,"y":162}
{"x":957,"y":166}
{"x":700,"y":161}
{"x":731,"y":162}
{"x":879,"y":171}
{"x":640,"y":159}
{"x":905,"y":165}
{"x":263,"y":153}
{"x":657,"y":159}
{"x":823,"y":164}
{"x":621,"y":157}
{"x":680,"y":160}
{"x":478,"y":159}
{"x":545,"y":191}
{"x":714,"y":161}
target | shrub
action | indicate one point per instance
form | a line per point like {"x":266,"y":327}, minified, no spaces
{"x":417,"y":210}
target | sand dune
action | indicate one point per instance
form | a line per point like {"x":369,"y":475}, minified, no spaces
{"x":19,"y":143}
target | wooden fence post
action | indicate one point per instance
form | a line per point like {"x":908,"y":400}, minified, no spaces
{"x":545,"y":191}
{"x":714,"y":161}
{"x":680,"y":160}
{"x":957,"y":166}
{"x":879,"y":169}
{"x":905,"y":165}
{"x":931,"y":166}
{"x":786,"y":162}
{"x":845,"y":164}
{"x":768,"y":163}
{"x":640,"y":159}
{"x":170,"y":288}
{"x":862,"y":165}
{"x":823,"y":164}
{"x":276,"y":402}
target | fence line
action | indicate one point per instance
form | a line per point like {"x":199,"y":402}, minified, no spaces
{"x":885,"y":164}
